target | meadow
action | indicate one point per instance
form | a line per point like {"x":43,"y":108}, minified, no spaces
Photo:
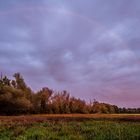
{"x":70,"y":127}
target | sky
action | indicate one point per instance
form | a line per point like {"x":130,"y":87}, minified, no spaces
{"x":88,"y":47}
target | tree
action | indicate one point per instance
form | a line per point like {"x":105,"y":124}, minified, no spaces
{"x":19,"y":83}
{"x":60,"y":102}
{"x":6,"y":81}
{"x":17,"y":98}
{"x":43,"y":98}
{"x":12,"y":101}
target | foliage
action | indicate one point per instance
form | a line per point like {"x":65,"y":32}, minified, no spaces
{"x":17,"y":98}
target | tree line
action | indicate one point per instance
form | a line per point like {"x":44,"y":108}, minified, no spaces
{"x":16,"y":97}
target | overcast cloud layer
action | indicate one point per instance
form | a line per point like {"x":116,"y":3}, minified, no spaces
{"x":90,"y":48}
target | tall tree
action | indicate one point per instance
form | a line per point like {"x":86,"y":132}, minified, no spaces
{"x":19,"y":83}
{"x":43,"y":98}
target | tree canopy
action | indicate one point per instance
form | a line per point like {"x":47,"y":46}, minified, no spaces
{"x":17,"y":98}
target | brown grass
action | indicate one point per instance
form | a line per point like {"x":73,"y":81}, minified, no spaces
{"x":28,"y":119}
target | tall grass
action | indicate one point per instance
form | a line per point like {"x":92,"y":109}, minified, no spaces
{"x":71,"y":130}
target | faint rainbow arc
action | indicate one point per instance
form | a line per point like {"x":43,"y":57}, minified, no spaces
{"x":90,"y":21}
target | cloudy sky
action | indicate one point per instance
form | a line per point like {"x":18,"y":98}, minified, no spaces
{"x":88,"y":47}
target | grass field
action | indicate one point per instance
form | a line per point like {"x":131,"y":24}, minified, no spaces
{"x":70,"y":127}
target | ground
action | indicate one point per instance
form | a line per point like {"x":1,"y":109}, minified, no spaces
{"x":70,"y":127}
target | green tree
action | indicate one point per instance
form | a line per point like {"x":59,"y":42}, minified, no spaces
{"x":12,"y":101}
{"x":20,"y":84}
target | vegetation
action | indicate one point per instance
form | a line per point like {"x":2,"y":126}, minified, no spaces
{"x":60,"y":116}
{"x":70,"y":127}
{"x":17,"y":98}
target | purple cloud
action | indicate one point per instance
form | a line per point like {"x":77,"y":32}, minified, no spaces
{"x":89,"y":48}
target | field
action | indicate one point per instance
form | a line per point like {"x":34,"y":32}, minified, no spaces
{"x":70,"y":127}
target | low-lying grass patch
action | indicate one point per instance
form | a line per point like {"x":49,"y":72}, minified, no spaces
{"x":64,"y":129}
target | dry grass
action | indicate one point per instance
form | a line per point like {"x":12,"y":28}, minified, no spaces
{"x":69,"y":117}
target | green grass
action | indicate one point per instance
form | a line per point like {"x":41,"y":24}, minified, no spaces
{"x":71,"y":130}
